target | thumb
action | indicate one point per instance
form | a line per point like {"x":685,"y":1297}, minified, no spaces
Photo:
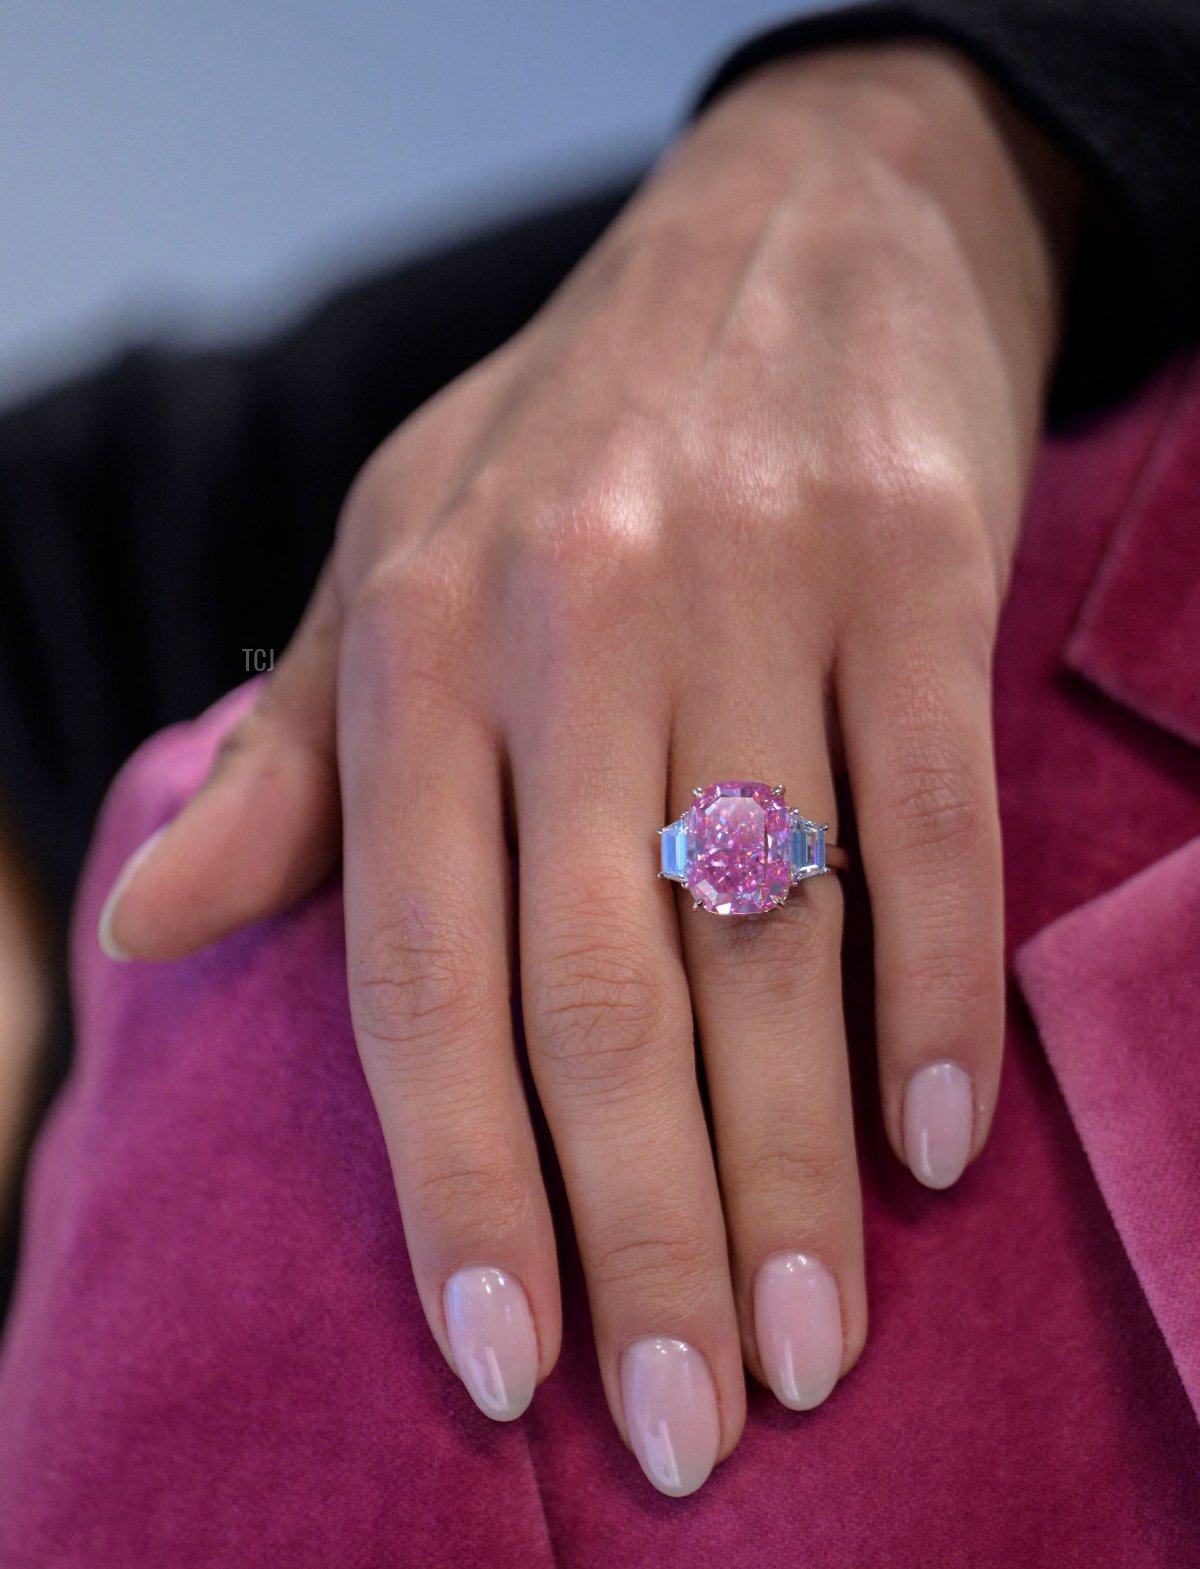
{"x":263,"y":830}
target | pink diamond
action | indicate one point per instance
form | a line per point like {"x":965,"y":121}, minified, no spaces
{"x":737,"y":849}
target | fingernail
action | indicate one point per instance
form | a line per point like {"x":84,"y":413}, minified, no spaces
{"x":104,"y":929}
{"x":671,"y":1412}
{"x":798,"y":1321}
{"x":492,"y":1339}
{"x":938,"y":1120}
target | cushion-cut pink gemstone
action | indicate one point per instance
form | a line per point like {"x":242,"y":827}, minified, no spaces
{"x":737,"y":846}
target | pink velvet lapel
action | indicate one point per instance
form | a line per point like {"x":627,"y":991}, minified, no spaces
{"x":1114,"y":983}
{"x":1115,"y":989}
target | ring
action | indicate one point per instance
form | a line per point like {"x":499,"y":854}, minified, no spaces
{"x":739,"y":848}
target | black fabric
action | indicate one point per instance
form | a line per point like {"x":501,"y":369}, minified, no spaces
{"x":1115,"y":82}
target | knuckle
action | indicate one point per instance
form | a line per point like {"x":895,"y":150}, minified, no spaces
{"x":655,"y":1260}
{"x":416,"y":983}
{"x":410,"y":616}
{"x":598,"y":1012}
{"x":404,"y":590}
{"x":371,"y":496}
{"x":926,"y":532}
{"x":596,"y":559}
{"x":474,"y":1200}
{"x":262,"y":746}
{"x":893,"y":484}
{"x":917,"y":493}
{"x":374,"y":514}
{"x":955,"y":975}
{"x":937,"y":813}
{"x":241,"y":739}
{"x":787,"y":1167}
{"x":264,"y":764}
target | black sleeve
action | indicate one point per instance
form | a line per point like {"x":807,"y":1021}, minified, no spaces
{"x":1117,"y":84}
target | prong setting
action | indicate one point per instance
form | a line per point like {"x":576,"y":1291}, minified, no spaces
{"x":732,"y":864}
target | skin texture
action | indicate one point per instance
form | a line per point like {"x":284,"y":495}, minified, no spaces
{"x":739,"y":502}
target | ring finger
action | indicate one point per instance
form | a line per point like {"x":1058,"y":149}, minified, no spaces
{"x":610,"y":1036}
{"x":766,"y":988}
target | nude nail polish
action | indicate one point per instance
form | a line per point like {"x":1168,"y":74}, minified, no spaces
{"x":798,"y":1323}
{"x":671,"y":1412}
{"x":492,"y":1339}
{"x":109,"y":945}
{"x":938,"y":1123}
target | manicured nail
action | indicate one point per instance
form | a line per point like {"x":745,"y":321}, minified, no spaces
{"x":104,"y":930}
{"x":938,"y":1121}
{"x":798,"y":1321}
{"x":671,"y":1412}
{"x":492,"y":1339}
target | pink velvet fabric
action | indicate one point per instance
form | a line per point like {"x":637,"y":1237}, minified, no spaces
{"x":1123,"y":1045}
{"x":217,"y":1356}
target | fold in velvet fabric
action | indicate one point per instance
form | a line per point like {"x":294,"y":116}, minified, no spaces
{"x":217,"y":1356}
{"x":1116,"y":992}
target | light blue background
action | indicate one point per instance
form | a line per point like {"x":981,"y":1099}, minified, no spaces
{"x":206,"y":166}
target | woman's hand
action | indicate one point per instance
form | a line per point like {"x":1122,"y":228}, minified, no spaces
{"x":740,"y":501}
